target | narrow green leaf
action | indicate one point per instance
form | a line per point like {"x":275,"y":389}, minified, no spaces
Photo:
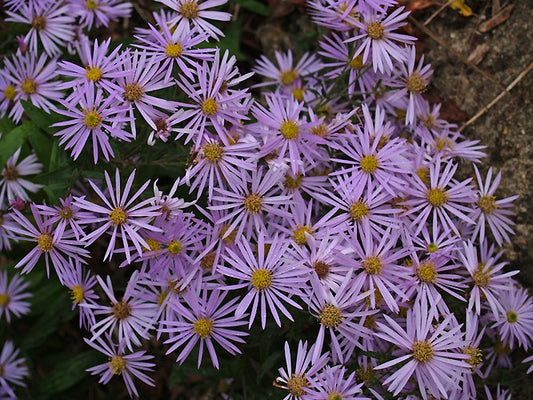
{"x":11,"y":141}
{"x":41,"y":118}
{"x":255,"y":6}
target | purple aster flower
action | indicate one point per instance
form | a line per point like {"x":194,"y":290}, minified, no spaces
{"x":127,"y":365}
{"x":99,"y":12}
{"x":372,"y":155}
{"x":528,"y":360}
{"x":439,"y":243}
{"x":168,"y":204}
{"x":300,"y":380}
{"x":360,"y":205}
{"x":412,"y":82}
{"x":206,"y":319}
{"x":175,"y":48}
{"x":489,"y":280}
{"x":32,"y":79}
{"x":219,"y":165}
{"x":195,"y":13}
{"x":51,"y":24}
{"x":51,"y":242}
{"x":13,"y":295}
{"x":144,"y":76}
{"x":431,"y":276}
{"x":91,"y":115}
{"x":501,"y":394}
{"x":338,"y":314}
{"x":515,"y":324}
{"x":285,"y":133}
{"x":8,"y":92}
{"x":270,"y":275}
{"x":68,"y":215}
{"x":285,"y":73}
{"x":120,"y":215}
{"x":441,"y":198}
{"x":247,"y":206}
{"x":332,"y":383}
{"x":380,"y":42}
{"x":5,"y":232}
{"x":81,"y":292}
{"x":492,"y":211}
{"x":473,"y":338}
{"x":448,"y":144}
{"x":433,"y":355}
{"x":98,"y":68}
{"x":13,"y":369}
{"x":133,"y":315}
{"x":12,"y":186}
{"x":376,"y":262}
{"x":211,"y":103}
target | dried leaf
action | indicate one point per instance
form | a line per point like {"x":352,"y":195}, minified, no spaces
{"x":478,"y":54}
{"x":414,"y":5}
{"x":463,"y":8}
{"x":500,"y":17}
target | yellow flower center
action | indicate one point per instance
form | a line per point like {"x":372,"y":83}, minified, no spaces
{"x":320,"y":130}
{"x":321,"y":268}
{"x":189,"y":9}
{"x":296,"y":385}
{"x":375,"y":30}
{"x":487,"y":204}
{"x":93,"y":73}
{"x":482,"y":276}
{"x":436,"y":197}
{"x":261,"y":279}
{"x":213,"y":152}
{"x":335,"y":396}
{"x":92,"y":119}
{"x":253,"y":203}
{"x":370,"y":322}
{"x":118,"y":216}
{"x":330,"y":316}
{"x":366,"y":374}
{"x":293,"y":183}
{"x":91,"y":5}
{"x":358,"y":210}
{"x":65,"y":213}
{"x":4,"y":299}
{"x":45,"y":242}
{"x":38,"y":23}
{"x":10,"y":92}
{"x":133,"y":92}
{"x":476,"y":355}
{"x":174,"y":247}
{"x":231,"y":236}
{"x":203,"y":327}
{"x":512,"y":317}
{"x":357,"y":62}
{"x":369,"y":164}
{"x":10,"y":173}
{"x":298,"y":94}
{"x":422,"y":351}
{"x":373,"y":265}
{"x":427,"y":272}
{"x":432,"y":247}
{"x":299,"y":232}
{"x":208,"y":261}
{"x":77,"y":294}
{"x":423,"y":174}
{"x":288,"y":77}
{"x":121,"y":310}
{"x":173,"y":50}
{"x":289,"y":130}
{"x":28,"y":86}
{"x":415,"y":83}
{"x":117,"y":365}
{"x":153,"y":245}
{"x":209,"y":106}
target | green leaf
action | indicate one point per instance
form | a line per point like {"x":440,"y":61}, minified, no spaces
{"x":255,"y":6}
{"x":232,"y":39}
{"x":42,"y":146}
{"x":66,"y":374}
{"x":11,"y":141}
{"x":6,"y":125}
{"x":41,"y":118}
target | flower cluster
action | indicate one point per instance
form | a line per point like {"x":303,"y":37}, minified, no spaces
{"x":335,"y":195}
